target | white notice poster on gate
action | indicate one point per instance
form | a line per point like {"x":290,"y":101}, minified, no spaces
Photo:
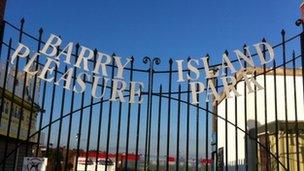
{"x":34,"y":164}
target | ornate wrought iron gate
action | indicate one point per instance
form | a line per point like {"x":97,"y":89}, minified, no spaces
{"x":260,"y":131}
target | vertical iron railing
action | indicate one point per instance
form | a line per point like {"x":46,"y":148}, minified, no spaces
{"x":226,"y":124}
{"x":99,"y":126}
{"x":109,"y":118}
{"x":129,"y":115}
{"x":245,"y":114}
{"x":71,"y":116}
{"x":90,"y":117}
{"x":158,"y":126}
{"x":169,"y":113}
{"x":178,"y":127}
{"x":285,"y":98}
{"x":207,"y":125}
{"x":13,"y":94}
{"x":265,"y":105}
{"x":4,"y":86}
{"x":151,"y":62}
{"x":188,"y":120}
{"x":79,"y":134}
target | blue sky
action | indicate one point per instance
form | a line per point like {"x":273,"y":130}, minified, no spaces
{"x":166,"y":29}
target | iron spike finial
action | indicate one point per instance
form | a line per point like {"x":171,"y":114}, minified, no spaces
{"x":226,"y":52}
{"x":264,"y":40}
{"x":283,"y":32}
{"x":22,"y":20}
{"x":208,"y":57}
{"x":132,"y":58}
{"x":244,"y":45}
{"x":41,"y":30}
{"x":170,"y":61}
{"x":95,"y":51}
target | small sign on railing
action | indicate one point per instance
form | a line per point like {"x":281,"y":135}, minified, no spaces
{"x":34,"y":164}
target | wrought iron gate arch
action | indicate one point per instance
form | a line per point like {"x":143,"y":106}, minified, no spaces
{"x":151,"y":92}
{"x":154,"y":94}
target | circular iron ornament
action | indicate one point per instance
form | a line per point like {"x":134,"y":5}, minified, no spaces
{"x":155,"y":61}
{"x":146,"y":59}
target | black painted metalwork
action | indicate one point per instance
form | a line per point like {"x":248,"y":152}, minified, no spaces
{"x":153,"y":147}
{"x":129,"y":115}
{"x":13,"y":95}
{"x":158,"y":126}
{"x":151,"y":62}
{"x":71,"y":117}
{"x":178,"y":126}
{"x":169,"y":112}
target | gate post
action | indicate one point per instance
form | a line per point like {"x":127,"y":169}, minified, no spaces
{"x":300,"y":22}
{"x":2,"y":23}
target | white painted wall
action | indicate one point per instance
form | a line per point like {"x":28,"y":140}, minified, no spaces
{"x":231,"y":133}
